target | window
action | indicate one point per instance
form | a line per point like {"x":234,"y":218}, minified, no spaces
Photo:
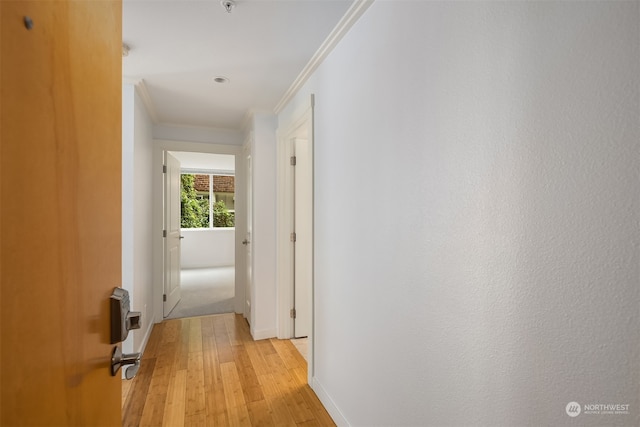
{"x":207,"y":196}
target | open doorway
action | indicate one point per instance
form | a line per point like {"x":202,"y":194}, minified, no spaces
{"x":160,"y":150}
{"x":206,"y":237}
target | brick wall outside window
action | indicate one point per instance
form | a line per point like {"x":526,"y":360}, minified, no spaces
{"x":201,"y":183}
{"x":221,"y":184}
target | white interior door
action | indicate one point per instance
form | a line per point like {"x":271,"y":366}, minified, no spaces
{"x":172,"y":238}
{"x":247,"y":242}
{"x":303,"y":245}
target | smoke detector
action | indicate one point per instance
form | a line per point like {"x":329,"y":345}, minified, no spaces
{"x":228,"y":5}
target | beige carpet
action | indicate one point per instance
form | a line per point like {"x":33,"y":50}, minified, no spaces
{"x":205,"y":291}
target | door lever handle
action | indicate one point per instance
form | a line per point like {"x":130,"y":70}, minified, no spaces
{"x":245,"y":242}
{"x":118,"y":359}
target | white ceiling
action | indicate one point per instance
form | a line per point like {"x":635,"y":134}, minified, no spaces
{"x":179,"y":46}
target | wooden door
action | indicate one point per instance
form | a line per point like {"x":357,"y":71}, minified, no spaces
{"x":60,"y":210}
{"x":172,"y":187}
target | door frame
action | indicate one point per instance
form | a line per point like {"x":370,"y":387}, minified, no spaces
{"x":159,"y":148}
{"x":301,"y":125}
{"x":247,"y":258}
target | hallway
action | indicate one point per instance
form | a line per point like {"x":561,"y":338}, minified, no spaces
{"x":209,"y":371}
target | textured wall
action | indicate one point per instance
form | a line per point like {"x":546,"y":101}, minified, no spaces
{"x":506,"y":283}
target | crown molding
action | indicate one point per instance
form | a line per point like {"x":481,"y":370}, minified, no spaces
{"x":142,"y":90}
{"x":352,"y":15}
{"x":146,"y":98}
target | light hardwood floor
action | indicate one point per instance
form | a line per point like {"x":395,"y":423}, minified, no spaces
{"x":206,"y":371}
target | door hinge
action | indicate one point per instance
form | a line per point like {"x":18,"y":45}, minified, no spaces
{"x":164,"y":233}
{"x":293,"y":237}
{"x":293,"y":160}
{"x":164,"y":297}
{"x":164,"y":168}
{"x":292,"y":312}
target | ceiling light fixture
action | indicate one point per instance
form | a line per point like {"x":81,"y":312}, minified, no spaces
{"x":228,"y":5}
{"x":221,"y":79}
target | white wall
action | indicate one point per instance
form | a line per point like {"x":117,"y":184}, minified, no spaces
{"x":207,"y":248}
{"x":505,"y":283}
{"x":142,"y":214}
{"x":197,"y":134}
{"x":263,"y":297}
{"x":205,"y":161}
{"x":128,"y":136}
{"x":137,"y":251}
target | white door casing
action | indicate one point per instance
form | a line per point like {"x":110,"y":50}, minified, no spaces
{"x":160,"y":147}
{"x":172,"y":238}
{"x":300,"y":126}
{"x":247,"y":240}
{"x":302,"y":265}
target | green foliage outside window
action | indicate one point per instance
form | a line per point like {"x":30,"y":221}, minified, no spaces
{"x":195,"y":211}
{"x":221,"y":215}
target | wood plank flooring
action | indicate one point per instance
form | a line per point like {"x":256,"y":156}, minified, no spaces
{"x":208,"y":371}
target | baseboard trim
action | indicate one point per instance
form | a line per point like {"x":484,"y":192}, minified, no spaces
{"x":263,"y":334}
{"x":145,"y":339}
{"x":329,"y":404}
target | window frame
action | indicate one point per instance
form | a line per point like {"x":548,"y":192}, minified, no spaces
{"x":211,"y":173}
